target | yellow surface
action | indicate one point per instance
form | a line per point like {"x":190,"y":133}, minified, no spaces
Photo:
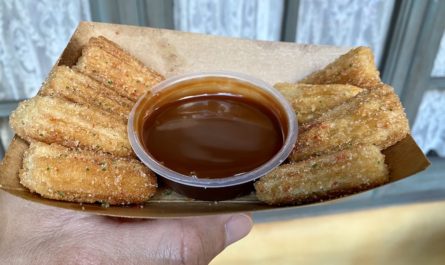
{"x":408,"y":234}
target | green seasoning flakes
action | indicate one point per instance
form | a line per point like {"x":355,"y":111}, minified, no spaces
{"x":104,"y":204}
{"x":61,"y":193}
{"x":103,"y":166}
{"x":110,"y":82}
{"x":48,"y":168}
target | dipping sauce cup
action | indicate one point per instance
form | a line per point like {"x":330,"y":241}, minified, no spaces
{"x":209,"y":136}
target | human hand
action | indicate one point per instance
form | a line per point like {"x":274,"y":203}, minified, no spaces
{"x":31,"y":233}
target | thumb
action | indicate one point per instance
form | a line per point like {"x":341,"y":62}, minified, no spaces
{"x":237,"y":227}
{"x":206,"y":237}
{"x":195,"y":240}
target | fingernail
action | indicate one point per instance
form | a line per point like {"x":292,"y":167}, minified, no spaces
{"x":237,"y":227}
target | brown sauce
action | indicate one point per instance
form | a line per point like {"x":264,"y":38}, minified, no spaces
{"x":212,"y":136}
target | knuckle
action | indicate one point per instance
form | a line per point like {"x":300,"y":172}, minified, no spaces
{"x":193,"y":248}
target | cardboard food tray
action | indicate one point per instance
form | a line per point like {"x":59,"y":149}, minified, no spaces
{"x":171,"y":53}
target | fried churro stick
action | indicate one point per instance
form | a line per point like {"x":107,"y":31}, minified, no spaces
{"x":356,"y":68}
{"x":324,"y":177}
{"x":56,"y":172}
{"x":54,"y":120}
{"x":106,"y":62}
{"x":310,"y":101}
{"x":372,"y":117}
{"x":79,"y":88}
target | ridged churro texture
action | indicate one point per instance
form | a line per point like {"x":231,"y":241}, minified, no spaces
{"x":311,"y":101}
{"x":56,"y":172}
{"x":109,"y":64}
{"x":324,"y":177}
{"x":54,"y":120}
{"x":374,"y":116}
{"x":356,"y":68}
{"x":74,"y":86}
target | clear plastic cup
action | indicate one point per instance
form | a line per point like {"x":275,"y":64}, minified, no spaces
{"x":208,"y":83}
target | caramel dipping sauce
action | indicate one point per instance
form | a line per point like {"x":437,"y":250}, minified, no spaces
{"x":210,"y":135}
